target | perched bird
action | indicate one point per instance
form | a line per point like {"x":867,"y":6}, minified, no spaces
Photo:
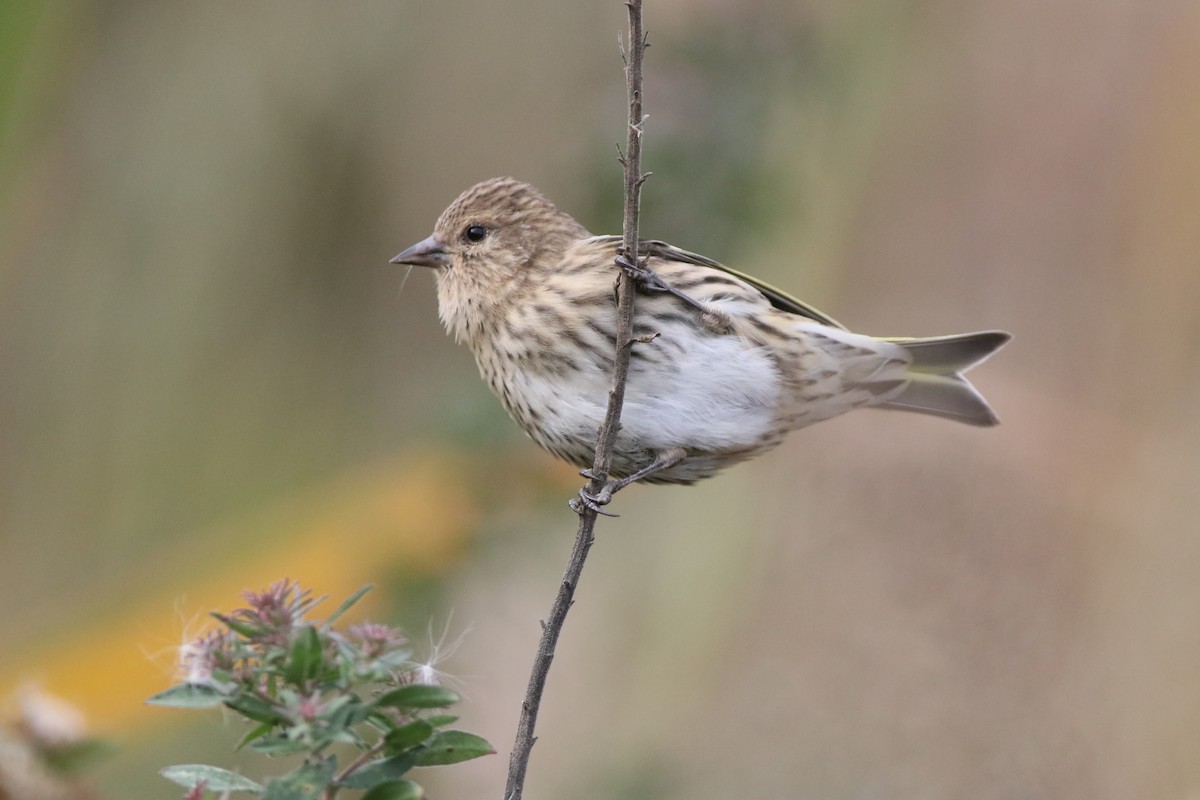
{"x":729,"y":365}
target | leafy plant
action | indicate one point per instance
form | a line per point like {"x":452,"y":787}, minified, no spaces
{"x":307,"y":687}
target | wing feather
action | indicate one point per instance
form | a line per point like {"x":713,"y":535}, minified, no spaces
{"x":778,"y":298}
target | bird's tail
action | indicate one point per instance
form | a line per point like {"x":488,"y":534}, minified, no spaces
{"x":936,"y":385}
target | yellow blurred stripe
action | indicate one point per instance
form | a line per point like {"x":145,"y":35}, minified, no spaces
{"x":332,"y":540}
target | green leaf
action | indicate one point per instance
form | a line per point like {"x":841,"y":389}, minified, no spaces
{"x":188,"y":695}
{"x":410,"y":735}
{"x":256,"y":732}
{"x":217,"y":779}
{"x":451,"y":747}
{"x":348,"y":712}
{"x":418,"y":695}
{"x":384,"y":769}
{"x":398,"y":659}
{"x":396,"y":790}
{"x":441,"y":720}
{"x":345,"y":606}
{"x":306,"y":783}
{"x":256,"y":709}
{"x":244,"y":629}
{"x":278,"y":746}
{"x":305,"y":658}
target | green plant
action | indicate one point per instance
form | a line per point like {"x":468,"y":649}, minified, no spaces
{"x":308,"y":688}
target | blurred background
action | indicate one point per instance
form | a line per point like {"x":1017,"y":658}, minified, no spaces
{"x":211,"y":378}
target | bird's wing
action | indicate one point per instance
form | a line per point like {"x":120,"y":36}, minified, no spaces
{"x":780,"y":299}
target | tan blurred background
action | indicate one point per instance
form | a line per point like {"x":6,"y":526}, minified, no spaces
{"x":210,"y":378}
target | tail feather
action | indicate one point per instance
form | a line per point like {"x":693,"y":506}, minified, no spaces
{"x":936,"y":385}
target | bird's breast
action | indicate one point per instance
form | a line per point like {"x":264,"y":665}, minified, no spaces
{"x":687,"y":387}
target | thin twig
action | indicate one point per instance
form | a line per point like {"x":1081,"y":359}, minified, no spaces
{"x":552,"y":626}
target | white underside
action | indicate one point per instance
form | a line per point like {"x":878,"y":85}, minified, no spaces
{"x":720,"y":395}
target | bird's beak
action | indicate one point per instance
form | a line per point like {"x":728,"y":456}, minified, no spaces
{"x":425,"y":253}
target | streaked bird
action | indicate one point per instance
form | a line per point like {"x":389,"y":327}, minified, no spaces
{"x":725,"y":365}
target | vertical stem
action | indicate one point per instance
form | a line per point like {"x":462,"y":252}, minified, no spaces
{"x":606,"y":438}
{"x":632,"y":162}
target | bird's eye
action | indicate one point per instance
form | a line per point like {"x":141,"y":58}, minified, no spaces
{"x":475,"y":233}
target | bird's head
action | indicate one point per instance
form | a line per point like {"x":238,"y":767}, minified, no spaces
{"x":489,"y":243}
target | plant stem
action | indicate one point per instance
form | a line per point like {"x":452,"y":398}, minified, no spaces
{"x":606,"y":438}
{"x":353,"y":767}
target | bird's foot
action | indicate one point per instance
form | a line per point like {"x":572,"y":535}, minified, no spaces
{"x":586,"y":501}
{"x":649,"y":281}
{"x":646,"y":279}
{"x":592,"y":501}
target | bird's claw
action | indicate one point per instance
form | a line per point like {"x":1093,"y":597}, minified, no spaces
{"x":593,"y":502}
{"x":646,"y":279}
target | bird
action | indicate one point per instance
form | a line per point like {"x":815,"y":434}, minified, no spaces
{"x":723,"y":367}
